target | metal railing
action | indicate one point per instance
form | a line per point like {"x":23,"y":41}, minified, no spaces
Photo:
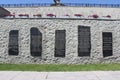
{"x":66,"y":4}
{"x":25,"y":5}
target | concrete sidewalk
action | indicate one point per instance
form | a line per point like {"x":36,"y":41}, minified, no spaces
{"x":83,"y":75}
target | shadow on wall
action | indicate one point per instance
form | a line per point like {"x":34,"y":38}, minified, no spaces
{"x":3,"y":12}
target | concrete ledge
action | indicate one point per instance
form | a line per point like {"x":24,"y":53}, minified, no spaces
{"x":68,"y":19}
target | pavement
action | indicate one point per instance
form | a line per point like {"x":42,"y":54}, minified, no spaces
{"x":82,"y":75}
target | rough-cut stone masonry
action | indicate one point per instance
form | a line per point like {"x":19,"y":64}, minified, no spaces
{"x":47,"y":27}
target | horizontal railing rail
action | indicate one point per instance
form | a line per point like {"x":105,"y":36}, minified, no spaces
{"x":65,"y":4}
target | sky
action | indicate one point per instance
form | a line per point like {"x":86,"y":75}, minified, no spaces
{"x":62,"y":1}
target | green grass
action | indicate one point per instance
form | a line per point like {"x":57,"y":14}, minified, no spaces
{"x":59,"y":67}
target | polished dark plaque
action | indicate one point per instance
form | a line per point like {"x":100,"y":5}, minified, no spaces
{"x":60,"y":42}
{"x":107,"y":44}
{"x":84,"y":41}
{"x":13,"y":43}
{"x":36,"y":42}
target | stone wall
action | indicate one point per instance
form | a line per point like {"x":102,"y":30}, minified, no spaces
{"x":47,"y":27}
{"x":63,"y":10}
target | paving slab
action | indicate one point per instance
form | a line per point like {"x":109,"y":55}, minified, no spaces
{"x":8,"y":75}
{"x":41,"y":75}
{"x":82,"y":75}
{"x":104,"y":75}
{"x":25,"y":76}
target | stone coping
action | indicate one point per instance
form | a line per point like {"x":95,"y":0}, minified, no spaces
{"x":68,"y":19}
